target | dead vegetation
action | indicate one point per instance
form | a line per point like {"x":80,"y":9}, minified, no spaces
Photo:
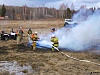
{"x":44,"y":61}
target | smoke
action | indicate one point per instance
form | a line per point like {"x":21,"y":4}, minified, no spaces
{"x":82,"y":15}
{"x":86,"y":35}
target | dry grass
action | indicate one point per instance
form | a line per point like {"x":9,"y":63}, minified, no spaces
{"x":45,"y":62}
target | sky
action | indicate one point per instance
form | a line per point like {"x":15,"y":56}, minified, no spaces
{"x":52,"y":3}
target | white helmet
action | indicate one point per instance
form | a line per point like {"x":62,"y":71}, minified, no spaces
{"x":35,"y":32}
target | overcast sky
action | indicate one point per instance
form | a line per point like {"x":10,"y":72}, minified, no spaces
{"x":52,"y":3}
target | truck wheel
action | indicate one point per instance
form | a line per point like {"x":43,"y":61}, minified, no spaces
{"x":6,"y":38}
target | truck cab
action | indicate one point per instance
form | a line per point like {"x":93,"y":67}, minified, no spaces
{"x":70,"y":23}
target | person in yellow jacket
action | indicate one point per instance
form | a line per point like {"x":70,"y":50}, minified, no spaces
{"x":34,"y":38}
{"x":19,"y":35}
{"x":55,"y":41}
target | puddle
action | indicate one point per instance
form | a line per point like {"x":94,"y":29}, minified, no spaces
{"x":15,"y":68}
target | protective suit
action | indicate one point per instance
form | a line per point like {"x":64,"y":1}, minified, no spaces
{"x":19,"y":36}
{"x":55,"y":42}
{"x":29,"y":35}
{"x":34,"y":38}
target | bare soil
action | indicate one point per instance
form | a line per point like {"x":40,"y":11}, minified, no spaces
{"x":44,"y":61}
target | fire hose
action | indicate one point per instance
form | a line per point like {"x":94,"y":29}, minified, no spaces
{"x":75,"y":58}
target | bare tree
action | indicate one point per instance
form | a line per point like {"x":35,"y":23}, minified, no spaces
{"x":24,"y":11}
{"x":72,"y":9}
{"x":62,"y":8}
{"x":29,"y":13}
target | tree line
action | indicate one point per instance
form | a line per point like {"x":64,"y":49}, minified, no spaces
{"x":30,"y":13}
{"x":3,"y":11}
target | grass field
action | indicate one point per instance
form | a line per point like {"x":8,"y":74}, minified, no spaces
{"x":44,"y":61}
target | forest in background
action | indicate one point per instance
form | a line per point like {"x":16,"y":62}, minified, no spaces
{"x":31,"y":13}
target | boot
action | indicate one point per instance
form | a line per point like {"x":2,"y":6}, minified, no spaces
{"x":34,"y":48}
{"x":52,"y":49}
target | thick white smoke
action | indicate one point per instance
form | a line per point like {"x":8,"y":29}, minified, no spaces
{"x":82,"y":37}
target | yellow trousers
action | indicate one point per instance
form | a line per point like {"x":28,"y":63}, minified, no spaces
{"x":18,"y":40}
{"x":34,"y":45}
{"x":55,"y":45}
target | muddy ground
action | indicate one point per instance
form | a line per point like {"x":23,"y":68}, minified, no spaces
{"x":44,"y":61}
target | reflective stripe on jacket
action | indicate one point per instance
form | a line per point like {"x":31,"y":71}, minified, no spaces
{"x":34,"y":38}
{"x":54,"y":40}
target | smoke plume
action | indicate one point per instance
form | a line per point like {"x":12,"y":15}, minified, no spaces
{"x":86,"y":35}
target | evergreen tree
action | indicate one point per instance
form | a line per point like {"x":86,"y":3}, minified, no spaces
{"x":68,"y":13}
{"x":3,"y":11}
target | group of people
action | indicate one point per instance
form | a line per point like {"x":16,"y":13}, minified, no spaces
{"x":34,"y":37}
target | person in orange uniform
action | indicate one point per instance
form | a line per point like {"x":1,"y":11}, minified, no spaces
{"x":34,"y":38}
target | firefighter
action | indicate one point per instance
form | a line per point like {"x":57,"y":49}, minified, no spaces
{"x":55,"y":41}
{"x":21,"y":32}
{"x":53,"y":30}
{"x":34,"y":38}
{"x":19,"y":35}
{"x":29,"y":34}
{"x":12,"y":31}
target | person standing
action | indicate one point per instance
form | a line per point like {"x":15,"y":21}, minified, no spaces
{"x":34,"y":38}
{"x":12,"y":31}
{"x":29,"y":34}
{"x":19,"y":35}
{"x":53,"y":30}
{"x":21,"y":32}
{"x":55,"y":41}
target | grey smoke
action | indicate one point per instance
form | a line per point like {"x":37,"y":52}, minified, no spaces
{"x":82,"y":37}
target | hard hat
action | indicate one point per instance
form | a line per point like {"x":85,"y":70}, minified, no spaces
{"x":35,"y":32}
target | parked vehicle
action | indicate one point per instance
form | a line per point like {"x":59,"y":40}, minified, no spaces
{"x":70,"y":23}
{"x":6,"y":36}
{"x":13,"y":36}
